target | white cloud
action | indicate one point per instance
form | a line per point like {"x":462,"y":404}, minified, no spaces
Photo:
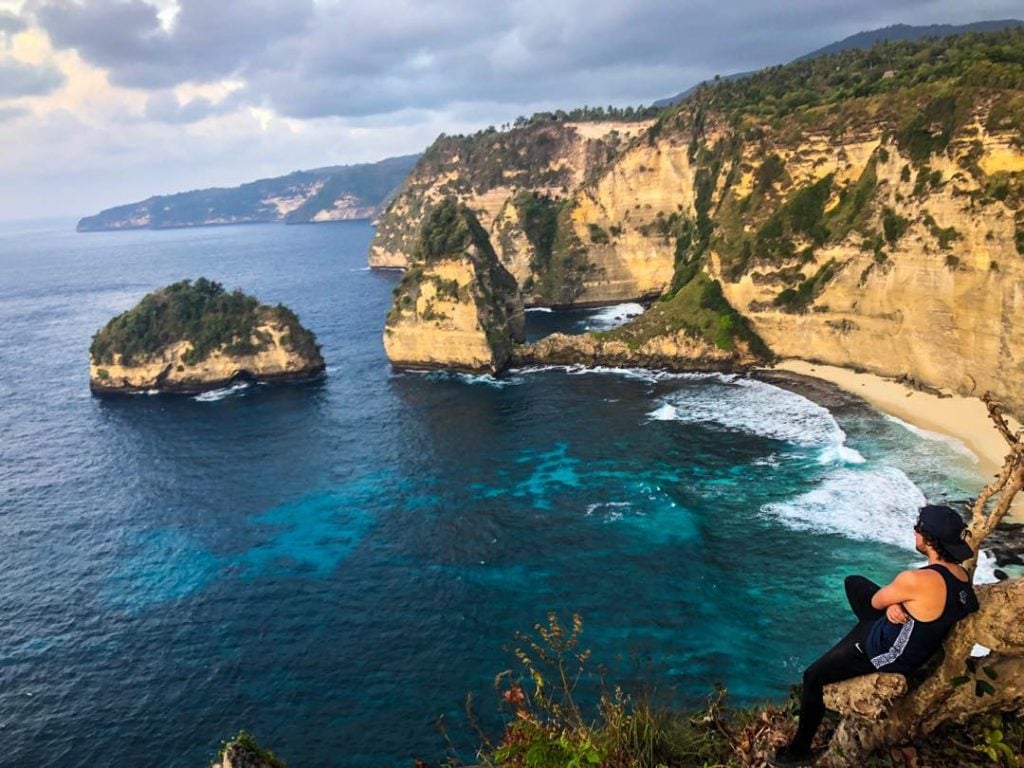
{"x":114,"y":100}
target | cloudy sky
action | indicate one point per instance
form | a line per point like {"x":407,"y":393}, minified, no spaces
{"x":109,"y":101}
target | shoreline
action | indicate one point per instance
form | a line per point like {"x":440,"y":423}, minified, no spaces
{"x":964,"y":419}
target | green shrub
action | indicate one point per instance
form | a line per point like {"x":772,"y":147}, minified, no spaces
{"x":769,"y":172}
{"x":945,"y":236}
{"x":797,"y":299}
{"x":597,"y":235}
{"x":549,"y":727}
{"x":854,"y":200}
{"x":444,"y":234}
{"x":538,"y":215}
{"x":893,"y":225}
{"x":929,"y":130}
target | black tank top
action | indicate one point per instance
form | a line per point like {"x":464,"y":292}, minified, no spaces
{"x":904,"y":647}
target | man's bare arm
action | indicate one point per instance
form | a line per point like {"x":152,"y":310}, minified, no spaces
{"x":906,"y":586}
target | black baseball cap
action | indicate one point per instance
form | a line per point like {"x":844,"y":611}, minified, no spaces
{"x":945,"y":525}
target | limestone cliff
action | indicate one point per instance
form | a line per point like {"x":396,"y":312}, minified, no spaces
{"x":517,"y":183}
{"x":194,"y":337}
{"x":457,"y":307}
{"x":864,"y":210}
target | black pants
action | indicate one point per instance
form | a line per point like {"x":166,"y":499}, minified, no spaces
{"x":844,"y":661}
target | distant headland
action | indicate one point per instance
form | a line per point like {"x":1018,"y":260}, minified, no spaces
{"x":334,"y":193}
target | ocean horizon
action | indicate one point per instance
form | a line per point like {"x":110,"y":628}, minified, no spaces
{"x":333,"y":566}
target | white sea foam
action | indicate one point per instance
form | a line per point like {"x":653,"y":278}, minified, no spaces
{"x":666,"y":412}
{"x":219,"y":394}
{"x":926,"y":434}
{"x":641,"y":374}
{"x":614,"y":316}
{"x":864,"y":504}
{"x":758,"y":408}
{"x":477,"y":379}
{"x":610,"y":510}
{"x":539,"y":309}
{"x":985,"y":572}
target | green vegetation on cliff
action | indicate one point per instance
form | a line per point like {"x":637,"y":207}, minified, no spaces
{"x":920,"y":96}
{"x":525,"y":156}
{"x":559,"y":262}
{"x":546,"y":156}
{"x":448,"y":232}
{"x":699,"y":309}
{"x":989,"y":61}
{"x":243,"y":751}
{"x":205,"y":315}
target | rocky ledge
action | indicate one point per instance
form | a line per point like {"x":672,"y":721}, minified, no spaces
{"x":673,"y":352}
{"x":457,"y":307}
{"x":193,"y":337}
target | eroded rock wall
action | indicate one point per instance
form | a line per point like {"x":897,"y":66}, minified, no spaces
{"x":940,"y":302}
{"x":168,"y":370}
{"x":485,"y":172}
{"x":457,"y":307}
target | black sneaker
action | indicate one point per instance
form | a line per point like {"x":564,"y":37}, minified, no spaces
{"x":788,"y":756}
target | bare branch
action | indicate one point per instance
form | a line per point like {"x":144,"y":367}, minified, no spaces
{"x":995,"y":412}
{"x":1006,"y":484}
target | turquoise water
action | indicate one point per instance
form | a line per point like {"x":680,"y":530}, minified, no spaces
{"x":333,"y":566}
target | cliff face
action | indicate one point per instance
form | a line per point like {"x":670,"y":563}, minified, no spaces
{"x":938,"y":300}
{"x":884,"y":232}
{"x":457,"y":307}
{"x":864,"y":210}
{"x":517,"y":183}
{"x":337,"y":193}
{"x":168,"y":371}
{"x":625,"y":218}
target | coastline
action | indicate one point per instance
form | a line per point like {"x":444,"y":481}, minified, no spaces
{"x":961,"y":418}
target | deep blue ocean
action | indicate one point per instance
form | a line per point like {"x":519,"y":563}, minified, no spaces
{"x":333,"y":566}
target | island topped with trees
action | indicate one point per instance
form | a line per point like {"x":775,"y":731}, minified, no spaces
{"x":193,"y":336}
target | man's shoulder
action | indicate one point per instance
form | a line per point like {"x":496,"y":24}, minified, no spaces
{"x":919,"y":578}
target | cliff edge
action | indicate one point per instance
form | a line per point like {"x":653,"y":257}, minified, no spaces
{"x":192,"y":337}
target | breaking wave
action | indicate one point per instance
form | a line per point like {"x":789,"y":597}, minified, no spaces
{"x":877,"y":504}
{"x":757,"y":408}
{"x":219,"y":394}
{"x":614,"y":316}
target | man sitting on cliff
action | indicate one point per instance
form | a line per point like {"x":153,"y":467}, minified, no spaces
{"x":899,"y":626}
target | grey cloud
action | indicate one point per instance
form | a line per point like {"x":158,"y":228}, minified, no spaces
{"x":208,"y":41}
{"x":164,"y":107}
{"x":356,"y":58}
{"x":10,"y":23}
{"x":11,"y":113}
{"x":573,"y":51}
{"x":18,"y":79}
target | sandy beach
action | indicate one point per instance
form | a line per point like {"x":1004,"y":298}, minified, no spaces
{"x":963,"y":418}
